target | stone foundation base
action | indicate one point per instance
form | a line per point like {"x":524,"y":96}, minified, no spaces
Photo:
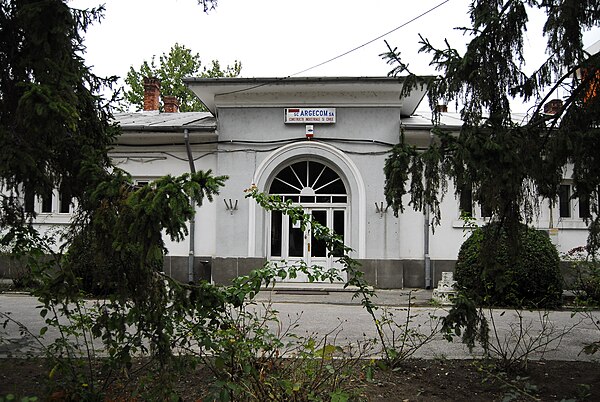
{"x":382,"y":274}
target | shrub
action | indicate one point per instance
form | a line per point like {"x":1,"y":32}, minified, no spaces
{"x":586,"y":267}
{"x":19,"y":270}
{"x":497,"y":271}
{"x":25,"y":280}
{"x":89,"y":261}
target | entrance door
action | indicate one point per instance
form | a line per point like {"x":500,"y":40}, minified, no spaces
{"x":322,"y":194}
{"x":291,"y":244}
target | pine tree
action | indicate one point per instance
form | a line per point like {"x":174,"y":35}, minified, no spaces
{"x":509,"y":166}
{"x":52,"y":120}
{"x":55,"y":131}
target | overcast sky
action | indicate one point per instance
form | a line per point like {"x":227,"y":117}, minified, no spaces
{"x":278,"y":38}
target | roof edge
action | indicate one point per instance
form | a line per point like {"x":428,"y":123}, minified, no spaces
{"x":277,"y":80}
{"x":140,"y":127}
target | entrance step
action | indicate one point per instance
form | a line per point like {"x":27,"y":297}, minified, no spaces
{"x":301,"y":288}
{"x":335,"y":293}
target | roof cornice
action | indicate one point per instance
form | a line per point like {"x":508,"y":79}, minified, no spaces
{"x":300,"y":91}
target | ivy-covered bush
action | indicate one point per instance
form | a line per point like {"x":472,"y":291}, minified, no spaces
{"x":494,"y":270}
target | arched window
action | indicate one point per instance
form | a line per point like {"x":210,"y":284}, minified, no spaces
{"x":309,"y":182}
{"x":352,"y":200}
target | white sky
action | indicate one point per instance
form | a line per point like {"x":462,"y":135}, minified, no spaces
{"x":277,"y":38}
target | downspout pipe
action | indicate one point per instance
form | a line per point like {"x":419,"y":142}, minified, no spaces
{"x":191,"y":255}
{"x":426,"y":237}
{"x":426,"y":257}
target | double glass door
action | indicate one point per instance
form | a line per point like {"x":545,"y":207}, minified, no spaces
{"x":290,"y":243}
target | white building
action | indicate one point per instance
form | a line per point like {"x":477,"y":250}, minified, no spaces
{"x":321,"y":142}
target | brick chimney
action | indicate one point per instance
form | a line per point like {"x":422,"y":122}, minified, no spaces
{"x":151,"y":93}
{"x":171,"y":104}
{"x":553,"y":106}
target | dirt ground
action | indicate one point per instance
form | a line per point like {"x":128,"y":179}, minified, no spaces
{"x":416,"y":380}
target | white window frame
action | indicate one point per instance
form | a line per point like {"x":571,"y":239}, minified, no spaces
{"x":143,"y":180}
{"x":573,"y":205}
{"x":476,"y":209}
{"x":55,"y":205}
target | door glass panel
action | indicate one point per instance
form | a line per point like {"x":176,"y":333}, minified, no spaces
{"x":338,"y":228}
{"x":296,"y":241}
{"x":276,"y":233}
{"x":318,"y":247}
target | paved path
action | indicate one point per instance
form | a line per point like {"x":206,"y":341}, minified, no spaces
{"x":335,"y":312}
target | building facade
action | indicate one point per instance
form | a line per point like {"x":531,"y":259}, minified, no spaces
{"x":322,"y":143}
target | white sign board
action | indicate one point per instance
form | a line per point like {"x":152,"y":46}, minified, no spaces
{"x":309,"y":115}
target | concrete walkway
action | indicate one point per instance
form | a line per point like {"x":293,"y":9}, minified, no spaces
{"x":328,"y":310}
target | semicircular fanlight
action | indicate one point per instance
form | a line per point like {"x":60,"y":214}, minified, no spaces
{"x":309,"y":182}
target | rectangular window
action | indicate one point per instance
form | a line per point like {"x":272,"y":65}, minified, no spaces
{"x":47,"y":203}
{"x":65,"y":205}
{"x":466,"y":205}
{"x":466,"y":201}
{"x":65,"y":202}
{"x":564,"y":201}
{"x":29,"y":202}
{"x":486,"y":211}
{"x":55,"y":201}
{"x":570,"y":206}
{"x":584,"y":207}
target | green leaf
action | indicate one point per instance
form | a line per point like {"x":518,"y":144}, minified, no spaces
{"x":369,"y":374}
{"x":219,"y":363}
{"x":326,"y":351}
{"x":180,"y":62}
{"x":339,"y":396}
{"x":591,"y":348}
